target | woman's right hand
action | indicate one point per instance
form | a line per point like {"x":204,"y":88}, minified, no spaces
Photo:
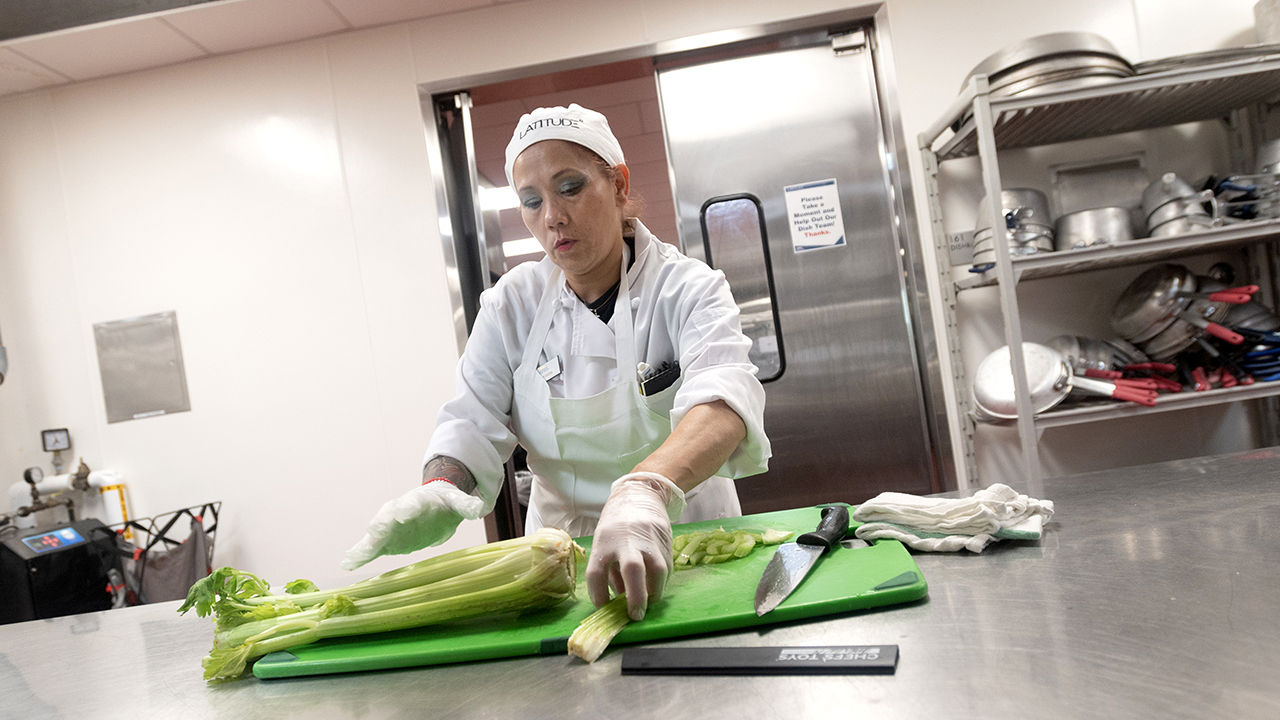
{"x":423,"y":517}
{"x":631,"y":550}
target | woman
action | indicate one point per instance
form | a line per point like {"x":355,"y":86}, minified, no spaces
{"x":618,"y":363}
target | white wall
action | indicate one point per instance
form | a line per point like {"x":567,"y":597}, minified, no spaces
{"x":279,"y":200}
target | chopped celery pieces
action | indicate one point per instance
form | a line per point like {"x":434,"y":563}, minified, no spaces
{"x":717,"y":546}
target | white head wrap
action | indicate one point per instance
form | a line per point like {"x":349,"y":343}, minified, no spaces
{"x":575,"y":123}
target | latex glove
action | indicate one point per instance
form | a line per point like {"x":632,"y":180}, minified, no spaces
{"x":425,"y":516}
{"x":631,"y":551}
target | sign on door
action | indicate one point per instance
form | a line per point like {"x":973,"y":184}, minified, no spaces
{"x":813,"y":210}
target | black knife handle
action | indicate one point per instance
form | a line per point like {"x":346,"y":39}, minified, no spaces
{"x":831,"y":530}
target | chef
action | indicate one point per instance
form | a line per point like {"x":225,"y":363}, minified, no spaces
{"x":618,"y":363}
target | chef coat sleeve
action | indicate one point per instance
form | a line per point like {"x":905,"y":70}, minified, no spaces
{"x":714,"y":366}
{"x":473,"y":426}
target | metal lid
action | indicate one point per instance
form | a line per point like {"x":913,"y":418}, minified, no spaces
{"x":1041,"y":46}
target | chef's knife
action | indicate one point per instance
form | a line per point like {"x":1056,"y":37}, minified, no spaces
{"x":793,"y":561}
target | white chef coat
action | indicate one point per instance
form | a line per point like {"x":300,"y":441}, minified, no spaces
{"x":682,"y":310}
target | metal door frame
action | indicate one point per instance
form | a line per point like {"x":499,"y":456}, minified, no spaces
{"x":917,"y":304}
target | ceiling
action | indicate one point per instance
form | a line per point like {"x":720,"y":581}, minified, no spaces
{"x":188,"y":33}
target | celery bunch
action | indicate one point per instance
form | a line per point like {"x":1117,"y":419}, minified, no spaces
{"x":717,"y":546}
{"x":534,"y":571}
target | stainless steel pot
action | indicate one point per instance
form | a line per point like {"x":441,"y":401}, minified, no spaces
{"x":988,"y":255}
{"x":1192,"y":205}
{"x":1185,"y":225}
{"x":1097,"y":226}
{"x":1027,"y":205}
{"x":1168,"y":188}
{"x":1027,"y":242}
{"x":1027,"y":210}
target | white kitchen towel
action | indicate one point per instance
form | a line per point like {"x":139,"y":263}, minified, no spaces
{"x":952,"y":524}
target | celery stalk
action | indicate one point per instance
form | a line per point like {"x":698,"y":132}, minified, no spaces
{"x":595,"y":633}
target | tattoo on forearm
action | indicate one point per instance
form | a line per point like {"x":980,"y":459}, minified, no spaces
{"x":443,"y":466}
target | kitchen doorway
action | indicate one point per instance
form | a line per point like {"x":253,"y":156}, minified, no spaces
{"x":719,"y":140}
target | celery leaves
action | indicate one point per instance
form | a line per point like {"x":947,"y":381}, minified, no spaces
{"x":222,"y":589}
{"x":300,"y":586}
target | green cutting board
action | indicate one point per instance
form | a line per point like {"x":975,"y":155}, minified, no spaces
{"x":709,"y":598}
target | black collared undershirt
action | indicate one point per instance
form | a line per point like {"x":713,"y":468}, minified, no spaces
{"x":603,"y":306}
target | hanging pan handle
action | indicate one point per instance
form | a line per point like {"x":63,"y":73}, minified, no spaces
{"x":1111,"y":390}
{"x":1212,"y":328}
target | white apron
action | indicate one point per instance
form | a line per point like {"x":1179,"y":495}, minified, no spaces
{"x":578,"y":447}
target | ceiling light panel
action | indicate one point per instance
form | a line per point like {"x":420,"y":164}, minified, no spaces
{"x":229,"y":27}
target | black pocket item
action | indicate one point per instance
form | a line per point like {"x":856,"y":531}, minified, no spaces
{"x":666,"y":376}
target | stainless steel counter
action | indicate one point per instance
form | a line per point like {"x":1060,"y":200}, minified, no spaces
{"x":1154,"y":594}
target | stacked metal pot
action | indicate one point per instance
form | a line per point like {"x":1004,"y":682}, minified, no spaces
{"x":1173,"y":207}
{"x":1095,"y":226}
{"x":1028,"y":225}
{"x":1030,"y":228}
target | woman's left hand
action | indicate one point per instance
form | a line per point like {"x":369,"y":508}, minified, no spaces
{"x":631,"y":550}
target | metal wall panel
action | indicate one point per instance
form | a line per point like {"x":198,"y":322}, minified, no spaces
{"x":141,"y":364}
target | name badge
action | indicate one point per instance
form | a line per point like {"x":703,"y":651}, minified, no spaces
{"x":550,"y":370}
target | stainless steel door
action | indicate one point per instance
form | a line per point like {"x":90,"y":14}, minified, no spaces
{"x":845,"y":408}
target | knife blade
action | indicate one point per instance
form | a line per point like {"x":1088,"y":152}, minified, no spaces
{"x":792,"y":562}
